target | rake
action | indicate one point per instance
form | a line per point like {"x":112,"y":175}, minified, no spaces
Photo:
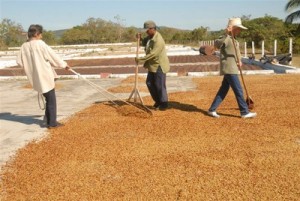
{"x":135,"y":92}
{"x":106,"y":94}
{"x":249,"y":100}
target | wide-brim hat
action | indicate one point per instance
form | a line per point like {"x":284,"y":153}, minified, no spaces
{"x":236,"y":22}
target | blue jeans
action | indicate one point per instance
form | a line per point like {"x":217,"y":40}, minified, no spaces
{"x":233,"y":82}
{"x":156,"y":83}
{"x":50,"y":111}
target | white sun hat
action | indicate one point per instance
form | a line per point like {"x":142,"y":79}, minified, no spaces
{"x":236,"y":22}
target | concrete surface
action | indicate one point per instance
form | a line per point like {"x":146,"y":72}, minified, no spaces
{"x":21,"y":119}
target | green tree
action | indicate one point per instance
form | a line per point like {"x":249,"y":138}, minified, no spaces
{"x":168,"y":34}
{"x":290,"y":7}
{"x":102,"y":31}
{"x":94,"y":28}
{"x":120,"y":24}
{"x":266,"y":29}
{"x":11,"y":34}
{"x":49,"y":38}
{"x":76,"y":35}
{"x":129,"y":34}
{"x":199,"y":34}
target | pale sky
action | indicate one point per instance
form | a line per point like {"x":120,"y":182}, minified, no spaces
{"x":183,"y":14}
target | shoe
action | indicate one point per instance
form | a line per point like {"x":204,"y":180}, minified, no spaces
{"x":57,"y":125}
{"x":163,"y":106}
{"x":156,"y":106}
{"x":213,"y":114}
{"x":249,"y":115}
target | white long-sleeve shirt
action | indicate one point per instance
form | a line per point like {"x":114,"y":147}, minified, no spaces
{"x":38,"y":60}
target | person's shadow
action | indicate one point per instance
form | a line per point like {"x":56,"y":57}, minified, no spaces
{"x":25,"y":119}
{"x":192,"y":108}
{"x":171,"y":104}
{"x":185,"y":107}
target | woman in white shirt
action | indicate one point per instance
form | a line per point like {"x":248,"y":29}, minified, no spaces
{"x":38,"y":60}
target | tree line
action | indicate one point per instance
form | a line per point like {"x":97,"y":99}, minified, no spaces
{"x":97,"y":30}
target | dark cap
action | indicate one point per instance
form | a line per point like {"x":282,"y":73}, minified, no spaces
{"x":149,"y":24}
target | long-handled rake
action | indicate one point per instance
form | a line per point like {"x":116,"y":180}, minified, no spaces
{"x":105,"y":93}
{"x":135,"y":92}
{"x":249,"y":100}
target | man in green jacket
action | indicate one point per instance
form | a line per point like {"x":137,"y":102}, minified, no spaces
{"x":157,"y":63}
{"x":229,"y":64}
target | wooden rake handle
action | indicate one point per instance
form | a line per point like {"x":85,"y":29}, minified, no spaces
{"x":237,"y":60}
{"x":137,"y":65}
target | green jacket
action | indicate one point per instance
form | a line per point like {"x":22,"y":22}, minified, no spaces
{"x":156,"y":54}
{"x":228,"y":63}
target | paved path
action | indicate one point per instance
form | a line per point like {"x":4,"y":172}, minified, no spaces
{"x":21,"y":118}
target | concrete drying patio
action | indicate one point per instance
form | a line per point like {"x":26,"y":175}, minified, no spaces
{"x":21,"y":119}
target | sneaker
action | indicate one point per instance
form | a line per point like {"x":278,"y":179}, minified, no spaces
{"x":213,"y":114}
{"x":163,"y":106}
{"x":249,"y":115}
{"x":56,"y":126}
{"x":155,"y":106}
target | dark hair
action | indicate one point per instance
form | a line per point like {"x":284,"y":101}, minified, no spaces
{"x":34,"y":29}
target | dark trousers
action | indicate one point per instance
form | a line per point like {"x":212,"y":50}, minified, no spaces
{"x":156,"y":83}
{"x":50,"y":111}
{"x":233,"y":82}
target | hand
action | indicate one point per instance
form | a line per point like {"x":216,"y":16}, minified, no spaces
{"x":136,"y":60}
{"x":138,"y":36}
{"x":67,"y":67}
{"x":239,"y":64}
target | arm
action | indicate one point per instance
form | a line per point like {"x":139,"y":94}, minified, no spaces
{"x":157,"y":48}
{"x":219,"y":42}
{"x":239,"y":55}
{"x":53,"y":58}
{"x":143,"y":41}
{"x":19,"y":59}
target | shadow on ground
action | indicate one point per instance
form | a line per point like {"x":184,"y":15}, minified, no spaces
{"x":25,"y":119}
